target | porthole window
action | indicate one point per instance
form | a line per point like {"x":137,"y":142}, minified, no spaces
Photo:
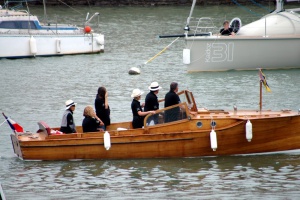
{"x":199,"y":124}
{"x":213,"y":124}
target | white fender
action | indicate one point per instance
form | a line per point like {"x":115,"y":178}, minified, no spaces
{"x":213,"y":140}
{"x":249,"y":134}
{"x":58,"y":45}
{"x":32,"y":44}
{"x":107,"y":144}
{"x":100,"y":40}
{"x":186,"y":56}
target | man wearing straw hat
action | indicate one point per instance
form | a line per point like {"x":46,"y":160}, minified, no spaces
{"x":137,"y":111}
{"x":151,"y":101}
{"x":67,"y":122}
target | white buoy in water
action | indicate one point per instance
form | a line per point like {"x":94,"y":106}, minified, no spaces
{"x":107,"y":144}
{"x":249,"y":134}
{"x":134,"y":71}
{"x":213,"y":140}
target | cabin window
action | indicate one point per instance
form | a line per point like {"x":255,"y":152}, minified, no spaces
{"x":17,"y":25}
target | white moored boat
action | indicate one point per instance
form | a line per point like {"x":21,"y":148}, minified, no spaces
{"x":271,"y":42}
{"x":22,"y":35}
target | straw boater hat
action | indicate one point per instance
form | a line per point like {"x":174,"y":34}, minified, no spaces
{"x":136,"y":93}
{"x":70,"y":103}
{"x":154,"y":86}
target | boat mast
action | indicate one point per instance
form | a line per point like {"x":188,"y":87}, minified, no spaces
{"x":187,"y":28}
{"x":279,"y":6}
{"x":45,"y":12}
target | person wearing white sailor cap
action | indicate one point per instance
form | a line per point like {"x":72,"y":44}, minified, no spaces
{"x":137,"y":111}
{"x":67,"y":122}
{"x":151,"y":100}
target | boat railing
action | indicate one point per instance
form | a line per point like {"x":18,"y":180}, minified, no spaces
{"x":25,"y":11}
{"x":169,"y":114}
{"x":202,"y":25}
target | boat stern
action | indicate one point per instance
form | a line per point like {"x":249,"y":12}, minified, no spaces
{"x":16,"y":146}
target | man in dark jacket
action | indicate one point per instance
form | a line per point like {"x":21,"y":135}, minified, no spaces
{"x":171,"y":99}
{"x":151,"y":101}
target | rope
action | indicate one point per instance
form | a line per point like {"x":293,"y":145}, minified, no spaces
{"x":2,"y":122}
{"x":245,"y":8}
{"x":261,"y":6}
{"x":70,"y":7}
{"x":161,"y":51}
{"x":89,"y":4}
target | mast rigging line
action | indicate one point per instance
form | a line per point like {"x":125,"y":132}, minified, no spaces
{"x":245,"y":8}
{"x":260,"y":5}
{"x":70,"y":7}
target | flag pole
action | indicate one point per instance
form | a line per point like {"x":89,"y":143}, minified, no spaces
{"x":263,"y":81}
{"x":260,"y":95}
{"x":260,"y":90}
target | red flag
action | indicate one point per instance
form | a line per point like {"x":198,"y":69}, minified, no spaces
{"x":13,"y":125}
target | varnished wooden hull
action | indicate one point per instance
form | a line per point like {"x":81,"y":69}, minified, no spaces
{"x":271,"y":133}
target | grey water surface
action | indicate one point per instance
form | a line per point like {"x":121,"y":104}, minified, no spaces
{"x":36,"y":89}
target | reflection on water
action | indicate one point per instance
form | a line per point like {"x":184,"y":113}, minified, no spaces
{"x":36,"y":89}
{"x":259,"y":176}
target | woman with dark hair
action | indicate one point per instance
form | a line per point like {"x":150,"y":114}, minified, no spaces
{"x":102,"y":107}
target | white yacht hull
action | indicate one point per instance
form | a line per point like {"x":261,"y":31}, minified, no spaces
{"x":215,"y":53}
{"x":19,"y":46}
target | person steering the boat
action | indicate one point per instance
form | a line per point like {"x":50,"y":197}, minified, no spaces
{"x":226,"y":30}
{"x":91,"y":121}
{"x":137,"y":111}
{"x":67,"y":122}
{"x":151,"y":101}
{"x":171,"y":99}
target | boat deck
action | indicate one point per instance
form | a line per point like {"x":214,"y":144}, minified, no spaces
{"x":244,"y":114}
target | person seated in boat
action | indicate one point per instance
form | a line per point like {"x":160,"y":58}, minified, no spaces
{"x":67,"y":123}
{"x":102,"y":107}
{"x":171,"y":99}
{"x":91,"y":121}
{"x":137,"y":111}
{"x":151,"y":101}
{"x":226,"y":30}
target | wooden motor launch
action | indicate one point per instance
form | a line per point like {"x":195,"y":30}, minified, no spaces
{"x":181,"y":130}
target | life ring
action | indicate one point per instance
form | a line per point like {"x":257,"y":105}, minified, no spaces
{"x":235,"y":24}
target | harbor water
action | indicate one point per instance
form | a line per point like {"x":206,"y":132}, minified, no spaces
{"x":35,"y":89}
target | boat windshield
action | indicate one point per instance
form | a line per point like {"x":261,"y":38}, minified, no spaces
{"x":170,"y":114}
{"x":185,"y":96}
{"x":173,"y":113}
